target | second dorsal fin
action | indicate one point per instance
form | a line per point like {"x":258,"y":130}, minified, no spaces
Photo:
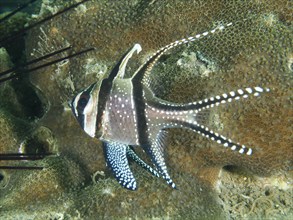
{"x":143,"y":72}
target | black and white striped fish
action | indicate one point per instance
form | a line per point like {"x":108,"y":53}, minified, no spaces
{"x":124,"y":112}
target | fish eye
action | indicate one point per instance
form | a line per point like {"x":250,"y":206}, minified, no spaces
{"x":82,"y":102}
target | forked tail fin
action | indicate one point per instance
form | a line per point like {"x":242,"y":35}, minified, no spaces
{"x":192,"y":115}
{"x":225,"y":98}
{"x":195,"y":109}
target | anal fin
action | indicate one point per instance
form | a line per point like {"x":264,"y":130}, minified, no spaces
{"x":132,"y":155}
{"x":155,"y":150}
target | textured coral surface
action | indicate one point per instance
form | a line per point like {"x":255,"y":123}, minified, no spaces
{"x":255,"y":51}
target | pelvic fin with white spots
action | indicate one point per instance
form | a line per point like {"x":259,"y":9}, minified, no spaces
{"x":117,"y":156}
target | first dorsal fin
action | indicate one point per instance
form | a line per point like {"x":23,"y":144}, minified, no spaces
{"x":122,"y":65}
{"x":119,"y":70}
{"x":143,"y":72}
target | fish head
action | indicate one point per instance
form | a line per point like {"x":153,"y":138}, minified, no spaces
{"x":86,"y":110}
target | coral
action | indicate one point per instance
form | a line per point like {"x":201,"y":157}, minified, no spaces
{"x":4,"y":60}
{"x":256,"y":50}
{"x":47,"y":186}
{"x":256,"y":198}
{"x":15,"y":23}
{"x":4,"y":179}
{"x":12,"y":132}
{"x":7,"y":94}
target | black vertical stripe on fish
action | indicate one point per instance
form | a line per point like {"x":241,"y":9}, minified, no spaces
{"x":81,"y":104}
{"x":139,"y":103}
{"x":138,"y":95}
{"x":105,"y":89}
{"x":104,"y":93}
{"x":154,"y":147}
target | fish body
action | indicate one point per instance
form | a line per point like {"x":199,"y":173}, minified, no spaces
{"x":124,"y":113}
{"x":120,"y":120}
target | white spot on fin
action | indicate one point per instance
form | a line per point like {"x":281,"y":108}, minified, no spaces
{"x":124,"y":62}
